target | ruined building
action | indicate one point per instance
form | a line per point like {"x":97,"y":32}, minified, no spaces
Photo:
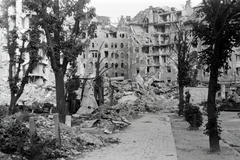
{"x":111,"y":44}
{"x":20,"y":18}
{"x":140,"y":45}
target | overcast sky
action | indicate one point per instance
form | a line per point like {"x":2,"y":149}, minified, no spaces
{"x":115,"y":8}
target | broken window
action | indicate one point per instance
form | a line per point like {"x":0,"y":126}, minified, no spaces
{"x":116,"y":55}
{"x":113,"y":35}
{"x":115,"y":45}
{"x":116,"y":74}
{"x":106,"y":54}
{"x":164,"y":59}
{"x":156,"y":59}
{"x":106,"y":45}
{"x":168,"y":69}
{"x":122,"y":45}
{"x":122,"y":65}
{"x":225,"y":71}
{"x":106,"y":65}
{"x":169,"y":80}
{"x":238,"y":71}
{"x":116,"y":65}
{"x":145,"y":49}
{"x":84,"y":65}
{"x":122,"y":74}
{"x":122,"y":55}
{"x":237,"y":57}
{"x":137,"y":71}
{"x":148,"y":69}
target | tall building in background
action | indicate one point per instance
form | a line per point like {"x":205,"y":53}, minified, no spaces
{"x":111,"y":44}
{"x":139,"y":45}
{"x":20,"y":18}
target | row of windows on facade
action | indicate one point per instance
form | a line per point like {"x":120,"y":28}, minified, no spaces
{"x":114,"y":35}
{"x":113,"y":45}
{"x":113,"y":65}
{"x":95,"y":55}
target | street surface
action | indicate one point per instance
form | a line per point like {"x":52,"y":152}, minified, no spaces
{"x":147,"y":138}
{"x":230,"y":123}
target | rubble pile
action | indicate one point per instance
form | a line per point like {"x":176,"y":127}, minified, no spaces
{"x":74,"y":141}
{"x":40,"y":94}
{"x":146,"y":95}
{"x":107,"y":119}
{"x":124,"y":100}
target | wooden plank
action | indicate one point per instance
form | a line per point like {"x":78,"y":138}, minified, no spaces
{"x":33,"y":132}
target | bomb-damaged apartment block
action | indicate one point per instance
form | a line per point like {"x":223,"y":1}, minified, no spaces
{"x":21,"y":19}
{"x":140,"y":45}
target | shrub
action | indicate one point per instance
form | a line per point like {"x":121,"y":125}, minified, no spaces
{"x":189,"y":113}
{"x":3,"y":110}
{"x":14,"y":136}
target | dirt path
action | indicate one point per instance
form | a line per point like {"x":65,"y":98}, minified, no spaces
{"x":194,"y":145}
{"x":147,"y":138}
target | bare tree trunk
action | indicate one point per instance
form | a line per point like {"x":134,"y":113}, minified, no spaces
{"x":13,"y":101}
{"x":60,"y":96}
{"x":181,"y":100}
{"x":212,"y":114}
{"x":212,"y":125}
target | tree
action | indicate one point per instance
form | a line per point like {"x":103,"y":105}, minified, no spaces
{"x":16,"y":82}
{"x":67,"y":27}
{"x":217,"y":25}
{"x":185,"y":60}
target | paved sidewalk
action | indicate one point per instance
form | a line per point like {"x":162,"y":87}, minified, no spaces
{"x":147,"y":138}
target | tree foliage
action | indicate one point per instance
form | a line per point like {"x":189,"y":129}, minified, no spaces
{"x":16,"y":53}
{"x":217,"y":25}
{"x":68,"y":28}
{"x":186,"y":59}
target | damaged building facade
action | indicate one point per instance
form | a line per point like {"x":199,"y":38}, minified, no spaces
{"x":20,"y":19}
{"x":111,"y":44}
{"x":141,"y":45}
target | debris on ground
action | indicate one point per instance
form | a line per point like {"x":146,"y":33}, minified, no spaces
{"x":124,"y":100}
